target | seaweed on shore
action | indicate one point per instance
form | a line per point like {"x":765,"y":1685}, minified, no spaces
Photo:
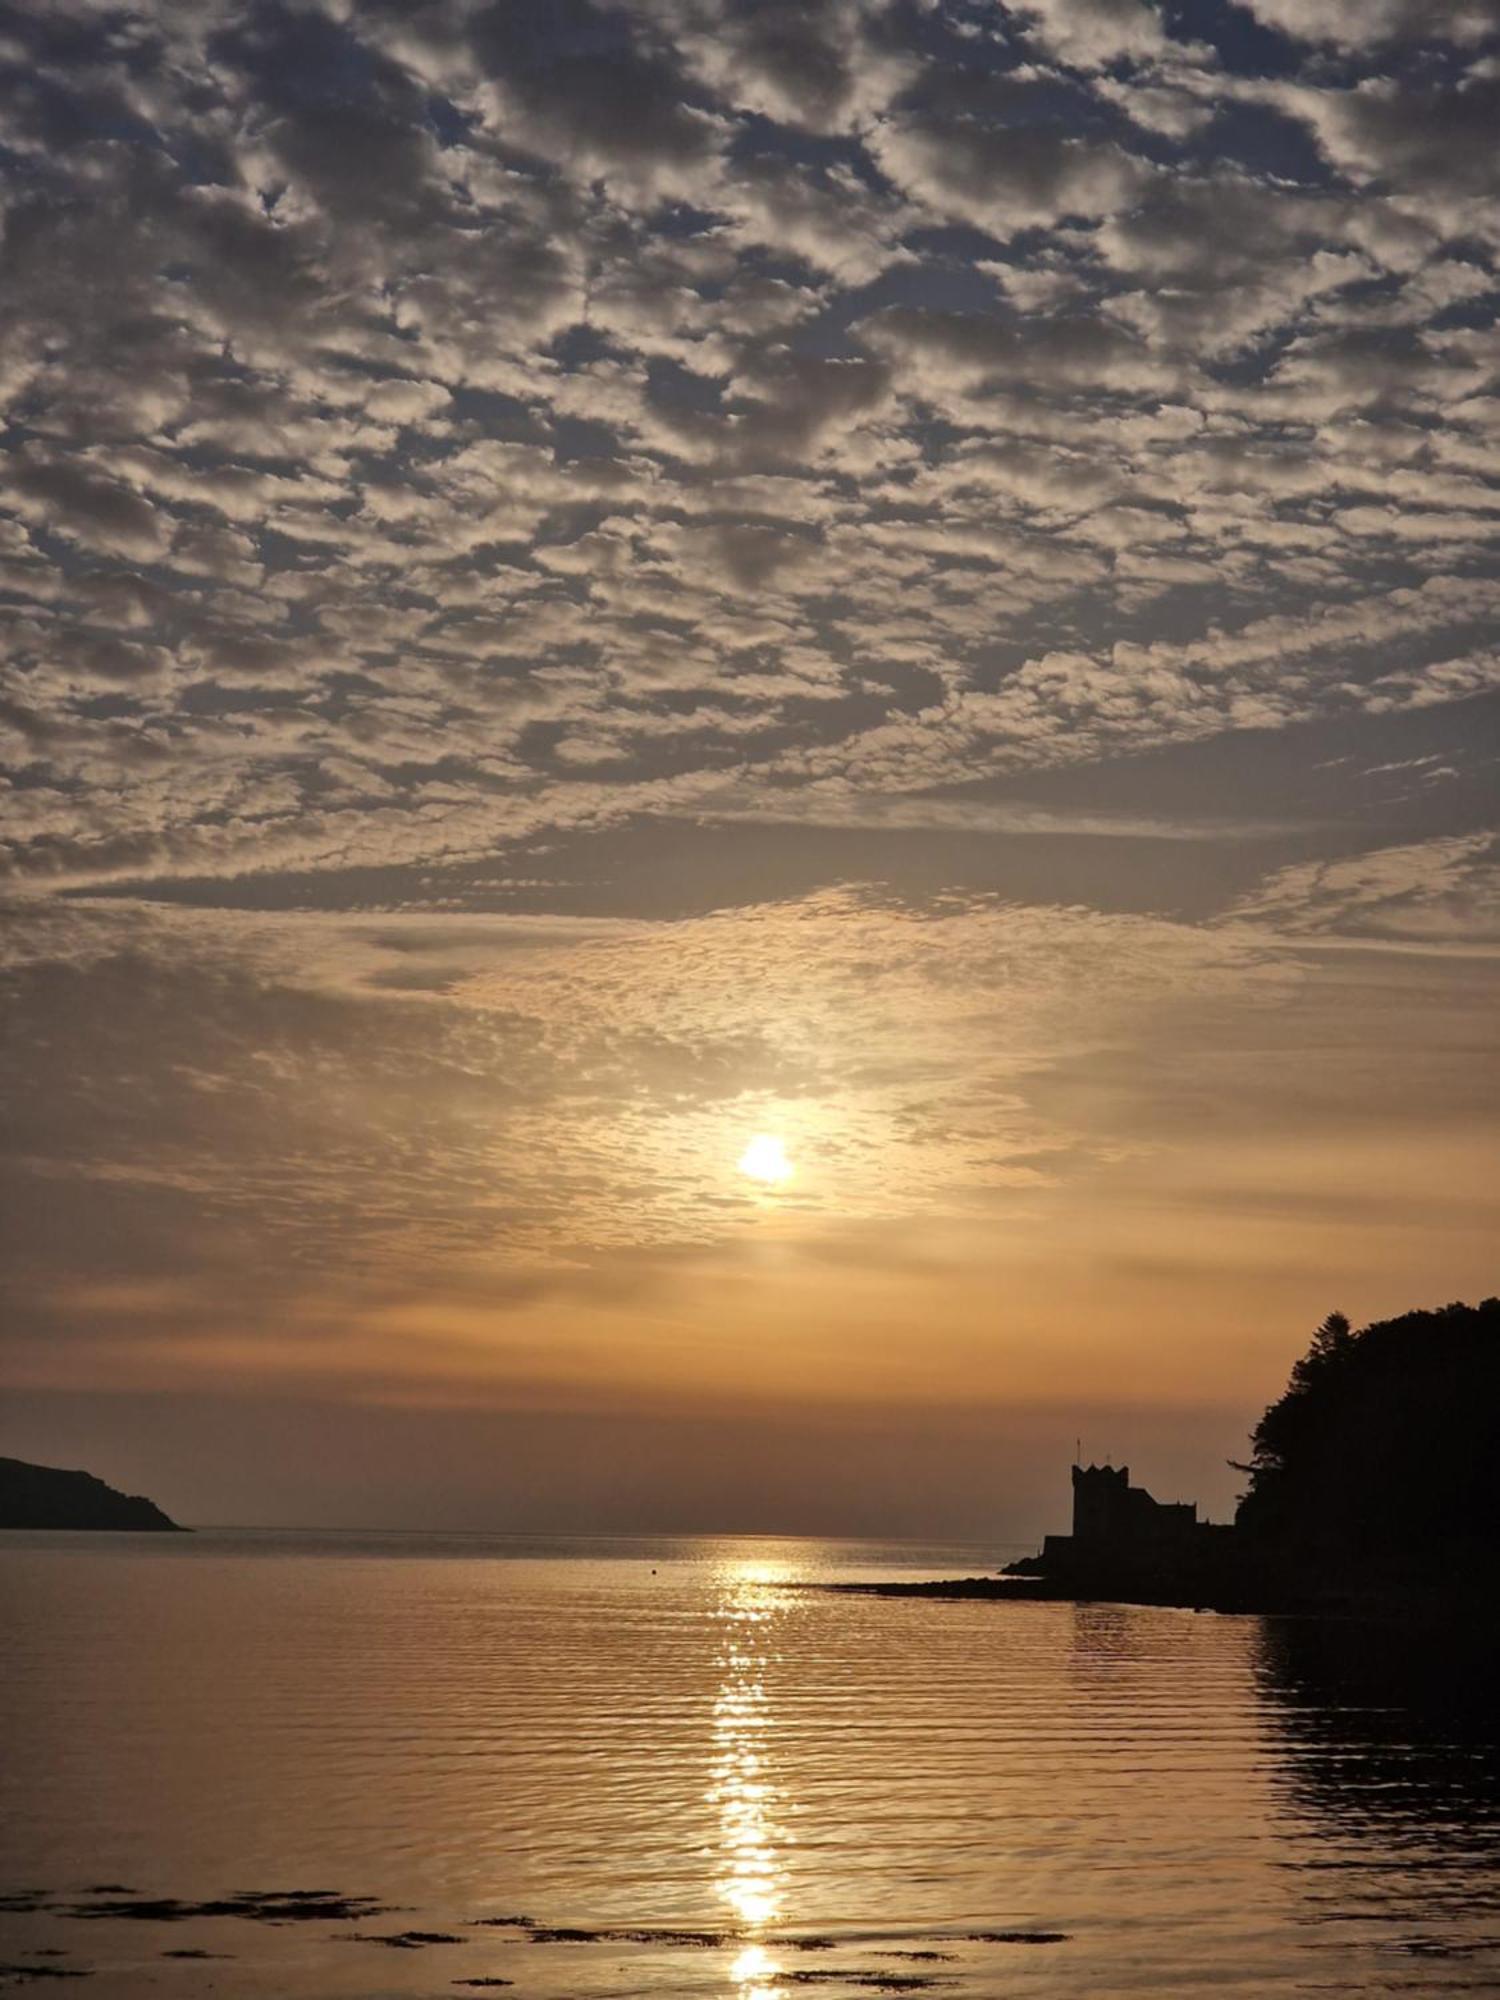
{"x":1016,"y":1937}
{"x":878,"y":1981}
{"x":405,"y":1940}
{"x":684,"y":1940}
{"x":264,"y":1906}
{"x":724,"y":1940}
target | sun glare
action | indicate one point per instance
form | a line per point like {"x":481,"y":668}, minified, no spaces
{"x":764,"y":1159}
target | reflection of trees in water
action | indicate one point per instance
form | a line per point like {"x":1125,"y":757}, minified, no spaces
{"x":1390,"y":1773}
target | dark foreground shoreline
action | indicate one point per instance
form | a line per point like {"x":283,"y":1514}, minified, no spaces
{"x":1035,"y":1590}
{"x":1441,"y":1606}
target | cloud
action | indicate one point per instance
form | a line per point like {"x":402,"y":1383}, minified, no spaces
{"x":835,"y":806}
{"x":1005,"y":179}
{"x":1092,"y":33}
{"x":387,"y":1088}
{"x":823,"y":67}
{"x":438,"y":429}
{"x":463,"y":1160}
{"x":594,"y":91}
{"x":1428,"y":142}
{"x":1440,"y":893}
{"x":976,"y":352}
{"x":1359,"y":24}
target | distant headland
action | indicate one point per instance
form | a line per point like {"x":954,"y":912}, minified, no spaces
{"x":45,"y":1496}
{"x":1372,"y":1486}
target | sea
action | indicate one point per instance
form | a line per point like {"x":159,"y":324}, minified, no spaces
{"x":256,"y":1764}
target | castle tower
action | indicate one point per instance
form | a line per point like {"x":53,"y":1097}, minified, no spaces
{"x":1101,"y":1505}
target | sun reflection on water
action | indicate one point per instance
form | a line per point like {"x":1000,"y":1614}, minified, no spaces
{"x":751,"y":1874}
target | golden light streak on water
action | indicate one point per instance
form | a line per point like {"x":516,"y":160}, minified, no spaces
{"x":743,"y":1790}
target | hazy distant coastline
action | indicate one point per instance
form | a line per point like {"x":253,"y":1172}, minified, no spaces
{"x":46,"y":1496}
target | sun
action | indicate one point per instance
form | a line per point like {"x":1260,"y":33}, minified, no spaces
{"x":764,"y":1159}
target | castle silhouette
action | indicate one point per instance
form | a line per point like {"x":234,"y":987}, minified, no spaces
{"x":1125,"y":1538}
{"x":1110,"y":1516}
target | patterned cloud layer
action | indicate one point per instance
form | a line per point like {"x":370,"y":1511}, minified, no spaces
{"x":436,"y":426}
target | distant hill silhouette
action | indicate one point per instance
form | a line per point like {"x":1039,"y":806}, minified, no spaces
{"x":44,"y":1496}
{"x":1379,"y":1463}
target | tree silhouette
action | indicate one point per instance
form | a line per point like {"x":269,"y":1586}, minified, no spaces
{"x":1380,"y":1460}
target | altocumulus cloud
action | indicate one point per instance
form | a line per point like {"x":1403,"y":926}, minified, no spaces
{"x":434,"y":425}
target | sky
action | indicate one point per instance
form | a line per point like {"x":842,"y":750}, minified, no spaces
{"x":591,"y":584}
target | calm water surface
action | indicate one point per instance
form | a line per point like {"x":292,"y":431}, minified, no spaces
{"x":714,"y":1782}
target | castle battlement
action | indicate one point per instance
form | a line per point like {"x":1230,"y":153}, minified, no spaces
{"x":1109,"y":1514}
